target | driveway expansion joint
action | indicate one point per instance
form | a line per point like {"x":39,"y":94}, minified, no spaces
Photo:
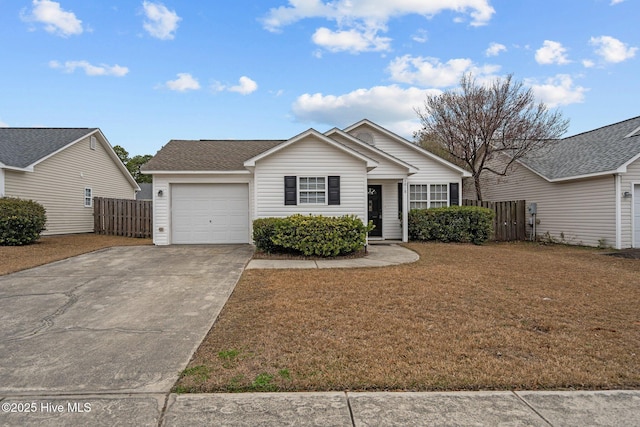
{"x":524,"y":401}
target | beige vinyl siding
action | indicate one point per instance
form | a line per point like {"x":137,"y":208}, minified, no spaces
{"x":578,"y":212}
{"x":310,"y":157}
{"x":627,"y":182}
{"x":162,"y":205}
{"x":59,"y":183}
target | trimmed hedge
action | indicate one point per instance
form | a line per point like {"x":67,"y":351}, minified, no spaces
{"x":311,"y":234}
{"x":452,"y":224}
{"x":21,"y":221}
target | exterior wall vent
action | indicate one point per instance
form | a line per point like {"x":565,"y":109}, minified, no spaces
{"x":365,"y":137}
{"x":92,"y":143}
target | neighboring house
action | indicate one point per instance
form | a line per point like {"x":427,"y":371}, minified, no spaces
{"x":586,"y":187}
{"x":63,"y":169}
{"x":210,"y":191}
{"x":146,"y":191}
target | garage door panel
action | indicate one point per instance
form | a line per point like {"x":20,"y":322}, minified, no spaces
{"x":210,"y":213}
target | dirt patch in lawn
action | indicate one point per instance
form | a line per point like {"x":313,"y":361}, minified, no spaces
{"x":54,"y":248}
{"x":464,"y":317}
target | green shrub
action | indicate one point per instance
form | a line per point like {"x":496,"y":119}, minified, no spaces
{"x":453,"y":224}
{"x":263,"y":231}
{"x":311,"y":235}
{"x":21,"y":221}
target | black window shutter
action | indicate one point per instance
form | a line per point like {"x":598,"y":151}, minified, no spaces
{"x":454,"y":194}
{"x":399,"y":200}
{"x":334,"y":190}
{"x":290,"y":196}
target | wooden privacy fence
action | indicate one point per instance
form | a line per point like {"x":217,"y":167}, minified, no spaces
{"x":122,"y":217}
{"x":510,"y":222}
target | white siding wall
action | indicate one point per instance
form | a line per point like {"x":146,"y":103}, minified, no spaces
{"x":310,"y":157}
{"x":58,"y":183}
{"x":581,"y":211}
{"x":162,"y":205}
{"x":386,"y":169}
{"x":430,"y":171}
{"x":627,"y":182}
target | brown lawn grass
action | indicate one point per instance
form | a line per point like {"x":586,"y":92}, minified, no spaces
{"x":54,"y":248}
{"x":464,"y":317}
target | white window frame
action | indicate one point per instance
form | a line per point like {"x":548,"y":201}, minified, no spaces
{"x":438,"y":202}
{"x":426,"y":201}
{"x":316,"y":191}
{"x":88,"y":195}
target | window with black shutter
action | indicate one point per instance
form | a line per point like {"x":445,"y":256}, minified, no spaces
{"x":454,"y":194}
{"x":334,"y":190}
{"x":290,"y":191}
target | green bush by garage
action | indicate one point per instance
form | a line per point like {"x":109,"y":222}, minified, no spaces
{"x":311,"y":235}
{"x":21,"y":221}
{"x":468,"y":224}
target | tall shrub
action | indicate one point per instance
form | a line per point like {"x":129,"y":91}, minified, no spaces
{"x":468,"y":224}
{"x":21,"y":221}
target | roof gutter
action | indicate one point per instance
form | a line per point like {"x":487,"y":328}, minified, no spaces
{"x":173,"y":172}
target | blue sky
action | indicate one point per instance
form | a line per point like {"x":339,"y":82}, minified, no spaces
{"x":147,"y":71}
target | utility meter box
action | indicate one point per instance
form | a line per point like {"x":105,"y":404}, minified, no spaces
{"x":533,"y":208}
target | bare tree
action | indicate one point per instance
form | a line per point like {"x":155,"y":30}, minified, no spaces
{"x":477,"y":122}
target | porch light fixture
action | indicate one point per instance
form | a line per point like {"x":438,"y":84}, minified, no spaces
{"x":160,"y":193}
{"x":626,"y":194}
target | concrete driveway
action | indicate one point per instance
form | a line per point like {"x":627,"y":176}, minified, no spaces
{"x":120,"y":320}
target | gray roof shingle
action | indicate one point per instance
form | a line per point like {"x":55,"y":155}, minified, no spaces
{"x":207,"y":155}
{"x":22,"y":147}
{"x":597,"y":151}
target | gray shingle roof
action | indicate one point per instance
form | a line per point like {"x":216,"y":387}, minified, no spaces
{"x":207,"y":155}
{"x":21,"y":147}
{"x":597,"y":151}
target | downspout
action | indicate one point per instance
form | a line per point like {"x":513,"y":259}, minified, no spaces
{"x":405,"y":211}
{"x":618,"y":185}
{"x":1,"y":182}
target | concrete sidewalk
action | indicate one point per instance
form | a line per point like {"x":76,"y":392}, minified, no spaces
{"x":490,"y":408}
{"x":378,"y":255}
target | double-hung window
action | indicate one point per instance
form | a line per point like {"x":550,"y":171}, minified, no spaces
{"x":438,"y":195}
{"x":423,"y":196}
{"x":312,"y":190}
{"x":88,"y":199}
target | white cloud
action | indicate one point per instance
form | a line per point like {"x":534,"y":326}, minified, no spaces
{"x":426,"y":71}
{"x":353,"y":41}
{"x":552,"y":53}
{"x":374,"y":12}
{"x":587,"y":63}
{"x":558,"y":90}
{"x":56,"y":20}
{"x":183,"y":83}
{"x":161,"y":22}
{"x":612,"y":49}
{"x":495,"y":49}
{"x":614,"y":2}
{"x":389,"y":106}
{"x":3,"y":124}
{"x":421,"y":36}
{"x":360,"y":21}
{"x":245,"y":86}
{"x":91,"y":70}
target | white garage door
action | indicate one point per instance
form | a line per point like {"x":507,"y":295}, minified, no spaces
{"x":209,"y":213}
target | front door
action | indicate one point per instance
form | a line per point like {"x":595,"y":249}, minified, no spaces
{"x":375,"y":209}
